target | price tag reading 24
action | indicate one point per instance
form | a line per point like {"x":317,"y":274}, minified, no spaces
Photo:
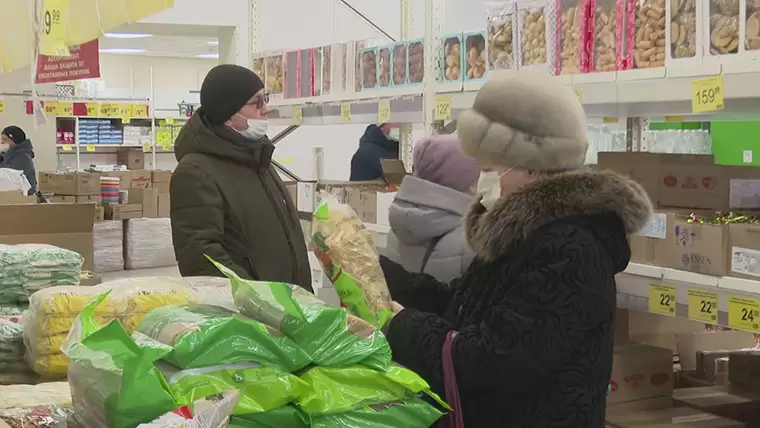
{"x":744,"y":313}
{"x":707,"y":94}
{"x":662,"y":299}
{"x":703,"y":306}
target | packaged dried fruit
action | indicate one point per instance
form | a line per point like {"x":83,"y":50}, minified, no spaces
{"x":400,"y":61}
{"x":537,"y":33}
{"x":327,"y":70}
{"x":501,"y":25}
{"x":752,"y":25}
{"x":572,"y":24}
{"x":368,"y":68}
{"x":683,"y":29}
{"x":258,"y":67}
{"x":648,"y":42}
{"x":475,"y":56}
{"x":384,"y":66}
{"x":607,"y":35}
{"x":416,"y":60}
{"x":723,"y":27}
{"x":275,"y":74}
{"x":452,"y":58}
{"x":358,"y":49}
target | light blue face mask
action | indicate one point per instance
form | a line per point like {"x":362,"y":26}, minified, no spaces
{"x":394,"y":134}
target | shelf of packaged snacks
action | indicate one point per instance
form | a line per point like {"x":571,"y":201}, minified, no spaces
{"x":108,"y":148}
{"x":635,"y":286}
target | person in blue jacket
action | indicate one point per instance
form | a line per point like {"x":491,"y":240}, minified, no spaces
{"x":378,"y":142}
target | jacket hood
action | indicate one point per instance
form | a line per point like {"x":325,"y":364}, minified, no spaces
{"x":22,"y":147}
{"x":572,"y":194}
{"x":423,"y":210}
{"x":373,"y":135}
{"x":199,"y":136}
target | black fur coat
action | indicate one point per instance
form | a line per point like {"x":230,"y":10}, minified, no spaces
{"x":535,"y":310}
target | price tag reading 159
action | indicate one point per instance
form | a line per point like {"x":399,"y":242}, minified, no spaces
{"x":707,"y":94}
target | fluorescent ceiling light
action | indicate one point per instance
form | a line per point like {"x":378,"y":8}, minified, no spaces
{"x":208,"y":55}
{"x":127,"y":35}
{"x":121,"y":50}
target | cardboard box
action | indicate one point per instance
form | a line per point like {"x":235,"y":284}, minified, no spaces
{"x":713,"y":366}
{"x":164,"y":205}
{"x":745,"y":251}
{"x":69,"y":183}
{"x":148,"y":198}
{"x":640,"y":372}
{"x":694,"y":247}
{"x":15,"y":197}
{"x":741,"y":404}
{"x":122,"y":211}
{"x":744,"y":368}
{"x":100,"y":213}
{"x":680,"y":417}
{"x":132,"y":159}
{"x":140,"y":179}
{"x":162,"y":187}
{"x":125,"y":178}
{"x":85,"y":199}
{"x":393,"y":171}
{"x":690,"y":344}
{"x":645,"y":244}
{"x":67,"y":226}
{"x":158,"y":176}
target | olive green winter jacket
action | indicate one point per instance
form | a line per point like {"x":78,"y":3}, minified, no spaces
{"x":227,"y":201}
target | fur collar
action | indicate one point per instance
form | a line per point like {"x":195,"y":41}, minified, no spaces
{"x":491,"y":233}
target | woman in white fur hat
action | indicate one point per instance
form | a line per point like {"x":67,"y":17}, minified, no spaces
{"x":535,"y":312}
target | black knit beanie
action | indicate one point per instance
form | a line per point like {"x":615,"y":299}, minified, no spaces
{"x":226,"y":89}
{"x":15,"y":133}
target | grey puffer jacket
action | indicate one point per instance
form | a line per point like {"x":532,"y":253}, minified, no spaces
{"x":421,"y":212}
{"x":20,"y":157}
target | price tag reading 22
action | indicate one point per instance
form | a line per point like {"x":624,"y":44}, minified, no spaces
{"x":703,"y":306}
{"x":662,"y":299}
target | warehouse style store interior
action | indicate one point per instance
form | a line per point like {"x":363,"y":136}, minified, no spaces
{"x":153,"y":274}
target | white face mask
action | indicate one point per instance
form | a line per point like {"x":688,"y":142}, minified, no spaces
{"x":4,"y":148}
{"x":394,"y":134}
{"x":257,"y":128}
{"x":489,"y":188}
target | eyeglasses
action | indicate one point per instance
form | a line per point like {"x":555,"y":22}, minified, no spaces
{"x":259,"y":101}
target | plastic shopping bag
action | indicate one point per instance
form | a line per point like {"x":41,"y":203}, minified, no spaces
{"x":411,"y":412}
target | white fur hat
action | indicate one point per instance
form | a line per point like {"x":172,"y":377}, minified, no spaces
{"x":526,"y":120}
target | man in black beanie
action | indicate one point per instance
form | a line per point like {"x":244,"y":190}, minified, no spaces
{"x":16,"y":152}
{"x":227,"y":200}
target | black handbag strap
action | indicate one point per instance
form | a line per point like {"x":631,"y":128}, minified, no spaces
{"x":429,"y":252}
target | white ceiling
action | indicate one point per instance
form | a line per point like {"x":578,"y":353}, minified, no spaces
{"x":184,"y":41}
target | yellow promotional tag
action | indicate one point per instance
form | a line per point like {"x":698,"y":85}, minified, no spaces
{"x":90,"y":148}
{"x":50,"y":107}
{"x":442,"y":108}
{"x":707,"y":94}
{"x":125,"y":111}
{"x":66,"y":147}
{"x":169,"y":121}
{"x":609,"y":120}
{"x":126,"y":120}
{"x":345,"y":113}
{"x":744,"y":313}
{"x":579,"y":95}
{"x":703,"y":306}
{"x":675,"y":118}
{"x":109,"y":110}
{"x":93,"y":109}
{"x":166,"y":147}
{"x":297,"y":115}
{"x":55,"y":17}
{"x":2,"y":106}
{"x":662,"y":299}
{"x":384,"y":111}
{"x":146,"y":148}
{"x":140,"y":110}
{"x":65,"y":109}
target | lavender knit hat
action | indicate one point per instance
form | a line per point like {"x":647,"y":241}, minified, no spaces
{"x":440,"y":159}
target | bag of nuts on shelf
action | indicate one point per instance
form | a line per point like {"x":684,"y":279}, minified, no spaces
{"x":608,"y":26}
{"x":475,"y":56}
{"x":400,"y":61}
{"x":682,"y":34}
{"x":645,"y":40}
{"x":274,"y":64}
{"x":384,"y":66}
{"x":501,"y":26}
{"x":416,"y":61}
{"x":752,"y":25}
{"x":573,"y":23}
{"x":368,"y":68}
{"x":537,"y":34}
{"x":452,"y":58}
{"x":258,"y":66}
{"x":723,"y":27}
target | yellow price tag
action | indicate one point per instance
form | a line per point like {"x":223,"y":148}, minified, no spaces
{"x":126,"y":120}
{"x":167,"y":147}
{"x":674,"y":118}
{"x":109,"y":110}
{"x":442,"y":108}
{"x":66,"y":147}
{"x":169,"y":121}
{"x":610,"y":120}
{"x":345,"y":113}
{"x":140,"y":110}
{"x":2,"y":106}
{"x":744,"y":313}
{"x":579,"y":95}
{"x":55,"y":18}
{"x":50,"y":107}
{"x":90,"y":148}
{"x":93,"y":109}
{"x":707,"y":94}
{"x":297,"y":115}
{"x":146,"y":148}
{"x":662,"y":299}
{"x":125,"y":111}
{"x":65,"y":109}
{"x":384,"y":111}
{"x":703,"y":306}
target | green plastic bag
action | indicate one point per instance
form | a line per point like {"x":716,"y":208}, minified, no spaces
{"x":113,"y":378}
{"x":339,"y":390}
{"x":331,"y":335}
{"x":410,"y":413}
{"x":262,"y":389}
{"x":284,"y":417}
{"x":202,"y":336}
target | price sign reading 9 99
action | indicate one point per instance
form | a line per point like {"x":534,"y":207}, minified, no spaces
{"x":707,"y":94}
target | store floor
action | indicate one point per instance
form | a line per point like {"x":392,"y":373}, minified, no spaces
{"x":165,"y":271}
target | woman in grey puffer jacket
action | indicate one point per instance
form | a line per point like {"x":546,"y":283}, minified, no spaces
{"x":426,"y":216}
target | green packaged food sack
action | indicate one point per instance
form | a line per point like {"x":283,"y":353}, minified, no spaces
{"x":113,"y":378}
{"x":262,"y":389}
{"x":409,"y":413}
{"x":333,"y":390}
{"x":203,"y":335}
{"x":347,"y":252}
{"x":284,"y":417}
{"x":331,"y":335}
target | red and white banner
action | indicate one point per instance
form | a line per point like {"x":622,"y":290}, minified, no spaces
{"x":83,"y":63}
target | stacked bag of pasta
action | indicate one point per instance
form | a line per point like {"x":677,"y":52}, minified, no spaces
{"x":26,"y":268}
{"x":13,"y":369}
{"x":52,"y":313}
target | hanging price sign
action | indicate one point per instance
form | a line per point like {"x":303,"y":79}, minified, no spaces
{"x":169,"y":121}
{"x":65,"y":109}
{"x":109,"y":110}
{"x":55,"y":17}
{"x":66,"y":147}
{"x":140,"y":110}
{"x":125,"y":111}
{"x":93,"y":109}
{"x":384,"y":111}
{"x":167,"y":147}
{"x":146,"y":148}
{"x":90,"y":148}
{"x":442,"y":108}
{"x":297,"y":115}
{"x":744,"y":313}
{"x":707,"y":94}
{"x":50,"y":107}
{"x":662,"y":299}
{"x":703,"y":306}
{"x":2,"y":106}
{"x":345,"y":113}
{"x":579,"y":95}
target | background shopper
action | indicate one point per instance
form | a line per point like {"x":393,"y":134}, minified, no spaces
{"x":427,"y":214}
{"x":378,"y":142}
{"x":17,"y":153}
{"x":535,"y":311}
